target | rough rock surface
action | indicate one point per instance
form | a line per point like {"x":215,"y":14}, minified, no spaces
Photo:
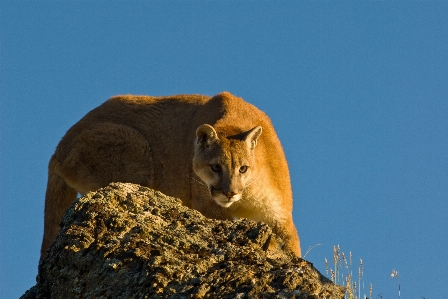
{"x":128,"y":241}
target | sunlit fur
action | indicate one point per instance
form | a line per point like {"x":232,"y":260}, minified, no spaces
{"x":232,"y":154}
{"x":169,"y":144}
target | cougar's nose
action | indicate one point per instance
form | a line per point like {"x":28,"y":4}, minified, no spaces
{"x":229,"y":194}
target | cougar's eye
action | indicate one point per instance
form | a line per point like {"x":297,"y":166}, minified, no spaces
{"x":216,"y":167}
{"x":243,"y":169}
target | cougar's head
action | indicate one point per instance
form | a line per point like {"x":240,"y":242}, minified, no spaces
{"x":225,"y":163}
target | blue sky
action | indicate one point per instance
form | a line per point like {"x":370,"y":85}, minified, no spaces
{"x":357,"y":91}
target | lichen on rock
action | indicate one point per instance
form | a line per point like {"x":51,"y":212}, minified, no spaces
{"x":129,"y":241}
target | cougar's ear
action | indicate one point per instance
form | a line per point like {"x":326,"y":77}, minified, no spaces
{"x":252,"y":136}
{"x":206,"y":135}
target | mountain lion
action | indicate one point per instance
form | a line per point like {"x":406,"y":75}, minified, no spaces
{"x":220,"y":155}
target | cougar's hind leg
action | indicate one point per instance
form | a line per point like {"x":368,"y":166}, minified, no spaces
{"x":91,"y":160}
{"x":108,"y":153}
{"x":134,"y":159}
{"x":58,"y":197}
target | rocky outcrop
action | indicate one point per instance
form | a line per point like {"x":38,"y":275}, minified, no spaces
{"x":128,"y":241}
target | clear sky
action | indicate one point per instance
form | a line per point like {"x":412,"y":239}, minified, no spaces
{"x":357,"y":91}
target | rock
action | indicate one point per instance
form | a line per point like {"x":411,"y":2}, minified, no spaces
{"x":128,"y":241}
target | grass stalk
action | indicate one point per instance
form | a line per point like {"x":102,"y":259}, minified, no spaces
{"x":342,"y":273}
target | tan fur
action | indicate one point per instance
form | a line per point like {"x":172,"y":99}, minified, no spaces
{"x":202,"y":150}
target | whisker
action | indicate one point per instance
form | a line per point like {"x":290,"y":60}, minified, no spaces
{"x":190,"y":176}
{"x":249,"y":182}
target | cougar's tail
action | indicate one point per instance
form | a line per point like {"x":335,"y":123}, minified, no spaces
{"x":58,"y":198}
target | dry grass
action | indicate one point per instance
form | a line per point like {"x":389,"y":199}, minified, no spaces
{"x":394,"y":275}
{"x":341,"y":272}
